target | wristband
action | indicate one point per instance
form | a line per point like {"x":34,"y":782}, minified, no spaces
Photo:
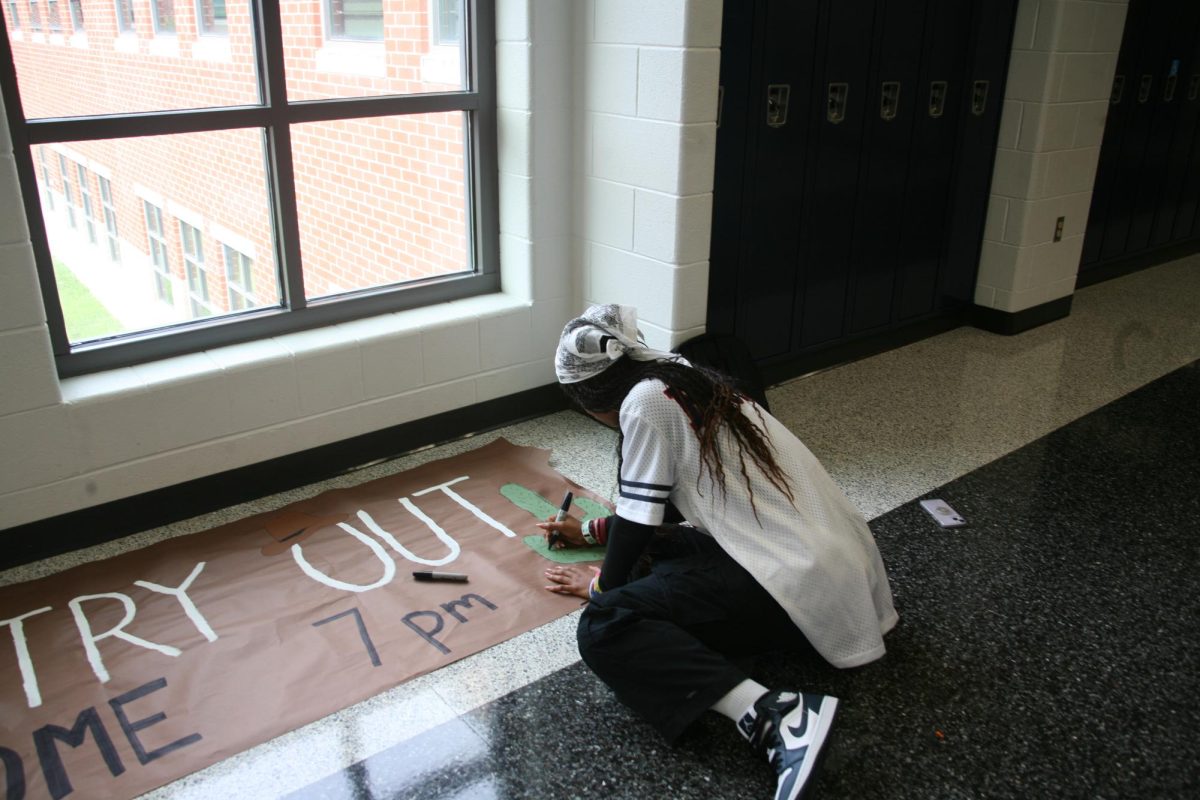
{"x":594,"y":589}
{"x":588,"y":532}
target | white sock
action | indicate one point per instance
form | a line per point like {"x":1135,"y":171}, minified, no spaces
{"x":740,"y":699}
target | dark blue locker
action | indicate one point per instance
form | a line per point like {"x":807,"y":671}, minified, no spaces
{"x":842,"y":73}
{"x":981,"y":96}
{"x":1189,"y":169}
{"x":734,"y":162}
{"x":1122,"y":99}
{"x":1184,"y":135}
{"x":1166,"y":100}
{"x":1143,"y":83}
{"x":930,"y":173}
{"x":781,"y":107}
{"x":888,"y":138}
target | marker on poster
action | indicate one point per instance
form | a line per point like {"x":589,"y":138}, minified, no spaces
{"x":457,"y":577}
{"x":559,"y":517}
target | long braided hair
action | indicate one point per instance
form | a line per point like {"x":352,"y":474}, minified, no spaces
{"x":711,"y":403}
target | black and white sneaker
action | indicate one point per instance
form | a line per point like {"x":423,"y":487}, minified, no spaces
{"x":791,"y":728}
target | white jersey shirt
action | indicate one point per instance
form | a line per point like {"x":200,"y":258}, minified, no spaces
{"x":816,"y":557}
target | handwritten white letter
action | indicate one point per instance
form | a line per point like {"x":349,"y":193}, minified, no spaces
{"x":389,"y":566}
{"x":465,"y":503}
{"x":189,"y":607}
{"x":90,"y":639}
{"x":28,"y":676}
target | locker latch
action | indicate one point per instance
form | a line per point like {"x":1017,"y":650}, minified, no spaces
{"x":937,"y":98}
{"x":979,"y":93}
{"x":1144,"y":89}
{"x":889,"y":100}
{"x":1118,"y":90}
{"x":836,"y":109}
{"x":777,"y":104}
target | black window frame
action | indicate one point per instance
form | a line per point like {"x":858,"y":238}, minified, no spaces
{"x":274,"y":117}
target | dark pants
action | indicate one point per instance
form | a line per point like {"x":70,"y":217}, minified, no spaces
{"x":664,"y":643}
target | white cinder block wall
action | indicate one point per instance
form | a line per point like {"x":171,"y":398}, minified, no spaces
{"x":74,"y":443}
{"x":647,"y":110}
{"x":1056,"y":102}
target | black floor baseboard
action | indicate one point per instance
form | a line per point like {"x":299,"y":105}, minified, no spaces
{"x":1097,"y":273}
{"x":102,"y":523}
{"x":1010,"y":323}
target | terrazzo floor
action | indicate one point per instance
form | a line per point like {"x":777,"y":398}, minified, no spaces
{"x":1046,"y":651}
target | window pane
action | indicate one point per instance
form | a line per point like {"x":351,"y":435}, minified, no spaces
{"x":381,"y":201}
{"x":367,"y":48}
{"x":113,"y":71}
{"x":210,"y":16}
{"x":164,"y":15}
{"x":157,"y":259}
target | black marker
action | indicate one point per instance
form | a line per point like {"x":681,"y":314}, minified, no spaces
{"x":562,"y":512}
{"x":440,"y":576}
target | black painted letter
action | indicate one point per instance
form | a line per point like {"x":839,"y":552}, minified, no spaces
{"x":52,"y":766}
{"x":14,"y":772}
{"x":131,"y":728}
{"x":424,"y":634}
{"x":465,"y":602}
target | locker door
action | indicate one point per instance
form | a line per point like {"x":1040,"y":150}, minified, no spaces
{"x":1120,"y":111}
{"x":931,"y":162}
{"x":981,"y":96}
{"x":780,"y":110}
{"x":843,"y":104}
{"x":888,"y":135}
{"x":734,"y":164}
{"x":1189,"y":193}
{"x":1143,"y":83}
{"x":1188,"y":113}
{"x":1166,"y":99}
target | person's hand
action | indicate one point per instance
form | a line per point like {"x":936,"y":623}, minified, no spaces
{"x":573,"y":579}
{"x":570,"y":532}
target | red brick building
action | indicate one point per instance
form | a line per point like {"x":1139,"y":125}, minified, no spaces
{"x":168,"y":228}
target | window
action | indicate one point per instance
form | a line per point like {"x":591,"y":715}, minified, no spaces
{"x":77,"y":15}
{"x":35,"y":16}
{"x":354,"y":19}
{"x":68,"y":191}
{"x":340,"y":197}
{"x":125,"y":18}
{"x":85,"y":198}
{"x":210,"y":16}
{"x":14,"y":15}
{"x":163,"y":12}
{"x":193,"y":265}
{"x":52,"y":19}
{"x":158,"y":253}
{"x":239,"y":279}
{"x":46,"y":190}
{"x":110,"y":218}
{"x":446,"y":22}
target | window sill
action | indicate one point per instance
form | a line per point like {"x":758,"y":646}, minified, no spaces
{"x":346,"y":336}
{"x":212,"y":48}
{"x":353,"y":58}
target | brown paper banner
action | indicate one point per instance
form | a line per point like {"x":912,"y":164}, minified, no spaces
{"x":125,"y":674}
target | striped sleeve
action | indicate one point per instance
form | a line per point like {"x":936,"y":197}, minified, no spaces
{"x":647,"y":472}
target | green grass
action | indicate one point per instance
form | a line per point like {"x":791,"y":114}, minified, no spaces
{"x":86,"y":318}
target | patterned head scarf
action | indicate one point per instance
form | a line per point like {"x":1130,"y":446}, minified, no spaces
{"x":589,"y":344}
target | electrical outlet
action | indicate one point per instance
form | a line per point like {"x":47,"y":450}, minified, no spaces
{"x":1058,"y":229}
